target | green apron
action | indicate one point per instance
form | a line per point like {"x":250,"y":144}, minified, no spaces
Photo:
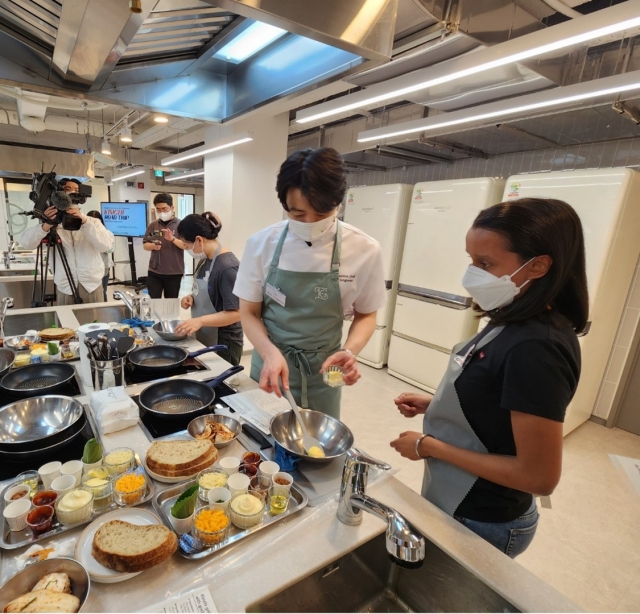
{"x":307,"y":329}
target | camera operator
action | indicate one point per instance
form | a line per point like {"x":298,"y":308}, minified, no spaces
{"x":83,"y":249}
{"x":166,"y":266}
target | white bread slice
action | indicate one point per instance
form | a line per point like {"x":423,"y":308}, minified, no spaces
{"x":44,"y":601}
{"x":129,"y":548}
{"x":186,"y":473}
{"x":178,"y":455}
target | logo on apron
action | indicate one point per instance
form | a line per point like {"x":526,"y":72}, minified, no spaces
{"x":322,"y":293}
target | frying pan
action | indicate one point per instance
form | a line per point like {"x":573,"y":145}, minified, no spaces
{"x":7,"y":357}
{"x":39,"y":379}
{"x":164,"y":358}
{"x":182,"y":397}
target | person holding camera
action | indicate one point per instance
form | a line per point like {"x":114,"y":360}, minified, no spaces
{"x":166,"y":266}
{"x":83,"y":249}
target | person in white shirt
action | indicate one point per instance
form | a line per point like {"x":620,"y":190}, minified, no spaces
{"x":300,"y":278}
{"x":83,"y":249}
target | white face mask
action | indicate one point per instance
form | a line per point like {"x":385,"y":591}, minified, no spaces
{"x":489,"y":291}
{"x":165,"y":216}
{"x":199,"y":256}
{"x":311,"y":231}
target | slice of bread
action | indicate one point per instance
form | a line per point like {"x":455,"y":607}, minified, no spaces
{"x":180,"y":455}
{"x":130,"y":548}
{"x":186,"y":473}
{"x":44,"y":600}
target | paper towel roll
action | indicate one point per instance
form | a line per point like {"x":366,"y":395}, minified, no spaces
{"x":85,"y":367}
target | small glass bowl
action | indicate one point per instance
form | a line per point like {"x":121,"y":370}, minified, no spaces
{"x":78,"y":515}
{"x":40,"y":519}
{"x":131,"y":497}
{"x":333,"y":376}
{"x":31,"y":479}
{"x":116,"y":468}
{"x":218,"y":476}
{"x":210,"y":538}
{"x":45,"y":497}
{"x":259,"y":486}
{"x":100,"y":482}
{"x":245,"y":520}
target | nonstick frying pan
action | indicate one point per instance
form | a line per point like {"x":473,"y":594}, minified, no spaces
{"x":182,"y":397}
{"x":7,"y":357}
{"x":164,"y":358}
{"x":39,"y":379}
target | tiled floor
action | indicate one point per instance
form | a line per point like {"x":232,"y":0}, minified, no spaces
{"x":587,"y":545}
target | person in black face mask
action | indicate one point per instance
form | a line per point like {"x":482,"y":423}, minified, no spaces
{"x":166,"y":267}
{"x":214,"y":308}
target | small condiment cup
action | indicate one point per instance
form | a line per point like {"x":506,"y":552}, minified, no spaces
{"x":278,"y":499}
{"x":229,"y":464}
{"x":45,"y":497}
{"x":40,"y":519}
{"x":268,"y":469}
{"x":73,"y":468}
{"x":18,"y":491}
{"x":333,"y":376}
{"x":259,"y":486}
{"x":219,"y":496}
{"x":49,"y":472}
{"x":282,"y":476}
{"x":31,"y":479}
{"x":16,"y":514}
{"x":63,"y":484}
{"x":183,"y":525}
{"x":238,"y":482}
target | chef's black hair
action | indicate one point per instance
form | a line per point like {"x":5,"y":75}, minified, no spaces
{"x":538,"y":227}
{"x":163,"y":197}
{"x":66,"y":180}
{"x":318,"y":173}
{"x":205,"y":225}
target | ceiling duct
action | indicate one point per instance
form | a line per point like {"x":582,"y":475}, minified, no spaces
{"x":31,"y":160}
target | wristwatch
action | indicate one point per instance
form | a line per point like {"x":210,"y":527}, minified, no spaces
{"x":348,"y":352}
{"x":418,"y":442}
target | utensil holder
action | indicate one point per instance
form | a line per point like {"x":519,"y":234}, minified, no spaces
{"x":107,"y":373}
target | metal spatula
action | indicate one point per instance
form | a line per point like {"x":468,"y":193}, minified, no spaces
{"x":308,"y":442}
{"x":162,"y":322}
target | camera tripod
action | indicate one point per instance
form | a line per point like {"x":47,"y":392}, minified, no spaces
{"x":52,"y":241}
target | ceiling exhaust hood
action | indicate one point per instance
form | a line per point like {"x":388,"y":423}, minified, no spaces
{"x":170,"y":57}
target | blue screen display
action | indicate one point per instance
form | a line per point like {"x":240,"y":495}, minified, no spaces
{"x":125,"y":219}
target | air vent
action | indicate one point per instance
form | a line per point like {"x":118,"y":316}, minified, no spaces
{"x":38,"y":19}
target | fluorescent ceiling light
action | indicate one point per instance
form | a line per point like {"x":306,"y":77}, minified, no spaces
{"x":256,"y":37}
{"x":513,"y":106}
{"x":184,"y":176}
{"x":125,"y":135}
{"x":105,"y":148}
{"x":599,"y":24}
{"x":160,"y":119}
{"x":225,"y":143}
{"x":129,"y":173}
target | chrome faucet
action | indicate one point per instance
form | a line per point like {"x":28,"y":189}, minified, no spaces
{"x":131,"y":301}
{"x":8,"y":255}
{"x":405,"y":544}
{"x":5,"y":304}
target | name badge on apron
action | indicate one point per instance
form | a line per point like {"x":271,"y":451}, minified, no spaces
{"x":275,"y":294}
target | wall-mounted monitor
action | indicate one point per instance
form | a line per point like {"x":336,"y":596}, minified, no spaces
{"x":125,"y":219}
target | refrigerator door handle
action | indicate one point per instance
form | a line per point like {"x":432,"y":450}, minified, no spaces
{"x":453,"y":301}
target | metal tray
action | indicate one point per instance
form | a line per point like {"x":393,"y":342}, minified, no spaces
{"x":10,"y":540}
{"x":165,"y":499}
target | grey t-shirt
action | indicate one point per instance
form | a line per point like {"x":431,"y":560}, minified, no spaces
{"x":221,"y":282}
{"x":170,"y":259}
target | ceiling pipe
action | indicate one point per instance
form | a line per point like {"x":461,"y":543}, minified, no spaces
{"x":561,"y":7}
{"x":53,"y":102}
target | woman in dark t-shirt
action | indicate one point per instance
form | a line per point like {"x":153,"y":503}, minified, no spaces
{"x":492,"y":436}
{"x":215,"y":310}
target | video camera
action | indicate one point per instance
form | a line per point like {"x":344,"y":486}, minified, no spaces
{"x":46,"y":192}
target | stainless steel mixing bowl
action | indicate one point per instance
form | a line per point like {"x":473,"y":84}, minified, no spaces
{"x":25,"y":580}
{"x":334,"y":436}
{"x":197,"y":426}
{"x":37,"y":418}
{"x":168,"y":334}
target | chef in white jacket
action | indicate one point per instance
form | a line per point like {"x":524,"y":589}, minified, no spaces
{"x":83,"y":249}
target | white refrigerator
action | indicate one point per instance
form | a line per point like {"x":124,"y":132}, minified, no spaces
{"x":381,"y":212}
{"x":433,"y":311}
{"x":608,"y":204}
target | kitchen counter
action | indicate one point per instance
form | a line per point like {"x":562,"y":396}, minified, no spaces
{"x":249,"y":572}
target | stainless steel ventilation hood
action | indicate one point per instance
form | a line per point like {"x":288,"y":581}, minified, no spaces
{"x":164,"y":58}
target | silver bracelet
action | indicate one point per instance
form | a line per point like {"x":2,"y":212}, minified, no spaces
{"x":348,"y":352}
{"x":418,"y":442}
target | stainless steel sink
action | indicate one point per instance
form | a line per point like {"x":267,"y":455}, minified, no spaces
{"x":18,"y":324}
{"x":366,"y":580}
{"x":15,"y":272}
{"x":111,"y":313}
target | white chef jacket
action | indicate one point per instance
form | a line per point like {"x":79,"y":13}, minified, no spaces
{"x":362,"y":283}
{"x":83,"y":249}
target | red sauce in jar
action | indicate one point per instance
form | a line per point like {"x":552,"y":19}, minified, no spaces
{"x":45,"y":497}
{"x":40,"y":518}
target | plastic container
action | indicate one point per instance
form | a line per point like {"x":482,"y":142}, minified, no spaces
{"x":45,"y":497}
{"x":16,"y":492}
{"x":40,"y":519}
{"x":210,"y":538}
{"x":145,"y":306}
{"x":78,"y":514}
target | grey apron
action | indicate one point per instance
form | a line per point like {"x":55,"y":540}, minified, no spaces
{"x":202,"y":305}
{"x":307,"y":329}
{"x":444,"y":484}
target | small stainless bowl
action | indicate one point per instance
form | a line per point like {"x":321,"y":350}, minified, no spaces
{"x":24,"y":581}
{"x":197,"y":426}
{"x":170,"y":326}
{"x":18,"y":342}
{"x":335,"y":437}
